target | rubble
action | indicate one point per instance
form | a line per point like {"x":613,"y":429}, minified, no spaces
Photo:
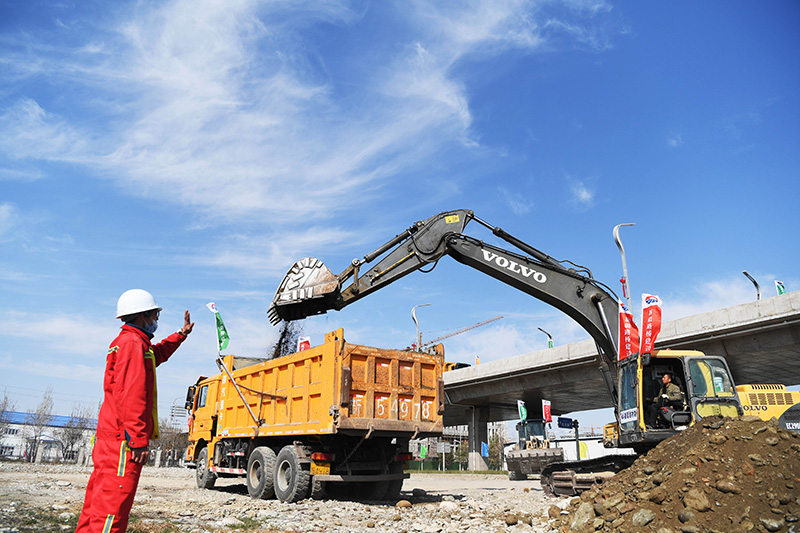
{"x":721,"y":475}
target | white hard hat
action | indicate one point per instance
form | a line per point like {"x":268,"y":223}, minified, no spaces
{"x":136,"y":301}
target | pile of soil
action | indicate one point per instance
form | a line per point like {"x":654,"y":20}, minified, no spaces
{"x":721,"y":475}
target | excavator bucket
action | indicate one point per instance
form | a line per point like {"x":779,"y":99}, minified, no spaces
{"x":309,"y":288}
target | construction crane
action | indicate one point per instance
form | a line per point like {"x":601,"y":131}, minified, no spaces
{"x":460,"y":331}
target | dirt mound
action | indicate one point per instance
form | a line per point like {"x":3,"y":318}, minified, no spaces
{"x":721,"y":475}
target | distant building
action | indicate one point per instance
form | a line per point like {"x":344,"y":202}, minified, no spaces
{"x":61,"y":439}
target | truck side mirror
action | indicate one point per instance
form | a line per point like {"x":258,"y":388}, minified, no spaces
{"x":190,"y":398}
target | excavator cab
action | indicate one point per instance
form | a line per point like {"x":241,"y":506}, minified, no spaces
{"x":645,"y":419}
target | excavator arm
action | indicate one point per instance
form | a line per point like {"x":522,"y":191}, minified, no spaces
{"x":310,"y":288}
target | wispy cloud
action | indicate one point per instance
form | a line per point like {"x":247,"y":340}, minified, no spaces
{"x":230,"y":111}
{"x":581,"y":195}
{"x":675,"y":141}
{"x":518,"y":203}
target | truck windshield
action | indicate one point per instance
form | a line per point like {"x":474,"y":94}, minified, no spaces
{"x":710,"y":379}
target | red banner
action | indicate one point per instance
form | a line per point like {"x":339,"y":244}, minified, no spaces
{"x":546,"y":411}
{"x":628,"y":332}
{"x":651,"y":321}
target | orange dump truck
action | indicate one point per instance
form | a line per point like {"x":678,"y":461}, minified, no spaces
{"x":334,"y":419}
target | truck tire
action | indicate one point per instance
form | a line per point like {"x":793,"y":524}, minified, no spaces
{"x":291,"y":481}
{"x":205,"y":477}
{"x":394,"y":486}
{"x":261,"y":473}
{"x":318,"y":489}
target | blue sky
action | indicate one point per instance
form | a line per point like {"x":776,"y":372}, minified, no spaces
{"x":197,"y":149}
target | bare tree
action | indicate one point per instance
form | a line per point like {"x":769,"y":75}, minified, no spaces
{"x":6,"y":408}
{"x":172,"y":442}
{"x":37,"y":422}
{"x":71,"y":435}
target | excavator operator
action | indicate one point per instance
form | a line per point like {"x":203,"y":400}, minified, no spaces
{"x":668,"y":396}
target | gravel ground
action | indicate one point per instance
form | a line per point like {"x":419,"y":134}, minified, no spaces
{"x":48,"y":498}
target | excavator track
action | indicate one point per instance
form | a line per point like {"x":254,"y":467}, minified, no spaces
{"x":571,"y":478}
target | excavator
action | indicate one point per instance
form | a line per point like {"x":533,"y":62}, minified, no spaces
{"x":707,"y":388}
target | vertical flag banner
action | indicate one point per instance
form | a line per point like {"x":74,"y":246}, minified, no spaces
{"x":651,"y":321}
{"x":303,"y":343}
{"x":779,"y":287}
{"x":484,"y":449}
{"x":628,"y":332}
{"x":523,"y":411}
{"x":546,"y":411}
{"x":222,"y":333}
{"x":423,"y":451}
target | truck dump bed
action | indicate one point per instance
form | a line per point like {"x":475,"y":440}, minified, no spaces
{"x":334,"y":388}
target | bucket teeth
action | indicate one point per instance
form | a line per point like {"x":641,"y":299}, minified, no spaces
{"x":309,"y":288}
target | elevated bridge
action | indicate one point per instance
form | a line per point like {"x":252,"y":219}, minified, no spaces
{"x":760,"y":341}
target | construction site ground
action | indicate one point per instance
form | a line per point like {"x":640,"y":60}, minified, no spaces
{"x":722,"y":475}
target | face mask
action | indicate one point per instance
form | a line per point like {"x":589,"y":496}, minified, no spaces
{"x":151,"y":327}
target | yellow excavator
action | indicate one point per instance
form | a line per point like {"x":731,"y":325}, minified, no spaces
{"x":705,"y":381}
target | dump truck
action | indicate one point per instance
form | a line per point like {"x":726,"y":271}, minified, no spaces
{"x":310,"y":288}
{"x":532,"y":452}
{"x":335,"y":419}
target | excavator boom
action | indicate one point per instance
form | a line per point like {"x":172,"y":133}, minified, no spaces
{"x":310,"y":288}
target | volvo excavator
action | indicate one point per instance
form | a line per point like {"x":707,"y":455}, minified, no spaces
{"x":310,"y":288}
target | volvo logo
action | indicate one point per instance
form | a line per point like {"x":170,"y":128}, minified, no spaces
{"x":513,"y":266}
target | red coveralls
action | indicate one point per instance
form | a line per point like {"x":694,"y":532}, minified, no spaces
{"x":128,"y":419}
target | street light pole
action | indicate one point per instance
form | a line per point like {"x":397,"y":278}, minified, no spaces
{"x":751,"y":278}
{"x":625,"y":286}
{"x":549,"y":338}
{"x":416,"y":322}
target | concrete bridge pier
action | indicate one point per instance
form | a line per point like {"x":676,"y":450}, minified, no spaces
{"x":477,"y":429}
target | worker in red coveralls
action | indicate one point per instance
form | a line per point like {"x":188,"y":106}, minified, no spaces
{"x":128,"y":419}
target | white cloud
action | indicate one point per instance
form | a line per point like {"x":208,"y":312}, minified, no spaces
{"x":582,"y":195}
{"x":66,"y":335}
{"x":675,"y":141}
{"x":228,"y":108}
{"x":518,"y":203}
{"x":8,"y":218}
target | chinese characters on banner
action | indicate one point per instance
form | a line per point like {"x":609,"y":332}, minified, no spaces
{"x":651,"y":321}
{"x":546,"y":411}
{"x":628,"y":332}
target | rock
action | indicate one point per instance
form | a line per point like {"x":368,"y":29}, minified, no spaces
{"x":599,"y":509}
{"x":511,"y":519}
{"x":598,"y":523}
{"x":717,"y":438}
{"x":230,"y":521}
{"x":687,"y":528}
{"x":403,"y":504}
{"x":685,"y":516}
{"x":614,"y":500}
{"x":418,"y":493}
{"x":658,"y":495}
{"x":642,"y":517}
{"x":582,"y":515}
{"x":771,"y":524}
{"x":772,"y":441}
{"x":448,"y":507}
{"x":696,"y":499}
{"x":727,"y":487}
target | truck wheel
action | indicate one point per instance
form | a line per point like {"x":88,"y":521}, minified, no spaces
{"x":205,"y":477}
{"x":318,"y":491}
{"x":260,"y":473}
{"x":394,"y":486}
{"x":291,"y":481}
